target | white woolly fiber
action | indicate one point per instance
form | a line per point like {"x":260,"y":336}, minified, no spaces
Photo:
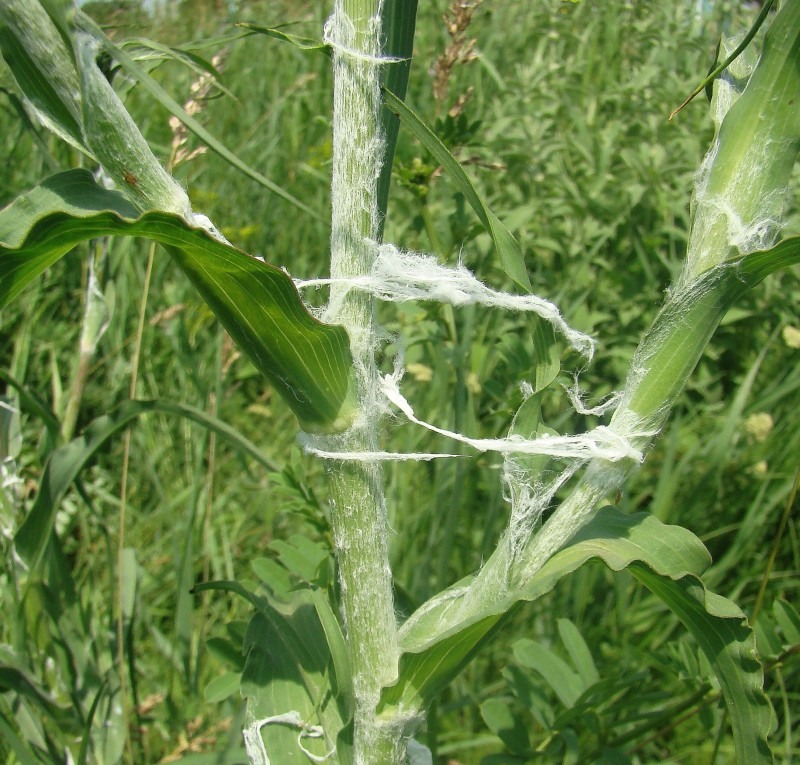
{"x":399,"y":276}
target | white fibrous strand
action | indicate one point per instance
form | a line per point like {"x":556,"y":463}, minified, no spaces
{"x":600,"y":443}
{"x":254,"y":743}
{"x":399,"y":276}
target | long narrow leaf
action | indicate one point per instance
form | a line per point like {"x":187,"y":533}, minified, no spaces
{"x":308,"y":362}
{"x":435,"y":646}
{"x":729,"y":644}
{"x":66,"y":463}
{"x":399,"y":25}
{"x":508,"y":248}
{"x":668,"y":559}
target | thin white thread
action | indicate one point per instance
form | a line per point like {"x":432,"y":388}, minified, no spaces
{"x":399,"y":276}
{"x":254,"y":743}
{"x":331,"y":39}
{"x":353,"y":53}
{"x":601,"y":443}
{"x":375,"y":456}
{"x":576,"y":399}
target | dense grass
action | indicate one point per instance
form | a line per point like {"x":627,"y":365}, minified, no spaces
{"x":566,"y":136}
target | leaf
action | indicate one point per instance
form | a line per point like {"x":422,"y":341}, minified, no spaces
{"x":174,"y":108}
{"x":579,"y":652}
{"x":308,"y":362}
{"x":756,"y":266}
{"x":286,"y":672}
{"x":303,"y":43}
{"x":508,"y":248}
{"x":546,"y":352}
{"x":300,"y":556}
{"x":564,"y":680}
{"x":222,"y":687}
{"x":501,"y":720}
{"x":435,"y":646}
{"x":39,"y":89}
{"x":728,"y":643}
{"x":718,"y":70}
{"x":667,"y":559}
{"x":338,"y":649}
{"x":66,"y":463}
{"x":21,"y":751}
{"x":236,"y":756}
{"x":15,"y":680}
{"x":789,"y":621}
{"x":398,"y":24}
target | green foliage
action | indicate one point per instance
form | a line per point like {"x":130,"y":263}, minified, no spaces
{"x":575,"y":156}
{"x":307,"y":361}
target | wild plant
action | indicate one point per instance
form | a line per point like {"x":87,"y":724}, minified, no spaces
{"x":330,"y":672}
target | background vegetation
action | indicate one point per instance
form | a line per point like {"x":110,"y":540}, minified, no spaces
{"x":562,"y":118}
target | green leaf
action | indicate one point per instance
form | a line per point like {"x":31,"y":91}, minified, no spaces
{"x":435,"y":647}
{"x":564,"y":680}
{"x":300,"y":556}
{"x":508,"y":248}
{"x":509,"y":728}
{"x":667,"y":559}
{"x":287,"y":672}
{"x":66,"y":463}
{"x":303,"y":43}
{"x":46,"y":75}
{"x":398,"y":23}
{"x":546,"y":352}
{"x":29,"y":402}
{"x":308,"y":362}
{"x":728,"y":643}
{"x":16,"y":681}
{"x":337,"y":646}
{"x":579,"y":652}
{"x":757,"y":266}
{"x":222,"y":687}
{"x":21,"y":750}
{"x":789,"y":621}
{"x":174,"y":108}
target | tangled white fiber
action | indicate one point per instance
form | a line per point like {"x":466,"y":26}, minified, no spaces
{"x":254,"y":744}
{"x":399,"y":276}
{"x":388,"y":273}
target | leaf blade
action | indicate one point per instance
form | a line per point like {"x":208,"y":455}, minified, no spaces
{"x":308,"y":362}
{"x":508,"y":249}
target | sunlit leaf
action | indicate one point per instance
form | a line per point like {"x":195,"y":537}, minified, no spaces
{"x":722,"y":632}
{"x":508,"y":248}
{"x":668,"y":559}
{"x":308,"y":362}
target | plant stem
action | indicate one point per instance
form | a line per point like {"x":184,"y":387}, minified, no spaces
{"x":737,"y":209}
{"x":358,"y":518}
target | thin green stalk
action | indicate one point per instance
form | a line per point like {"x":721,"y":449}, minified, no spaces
{"x":123,"y":494}
{"x":359,"y":518}
{"x":776,"y":542}
{"x":95,"y":316}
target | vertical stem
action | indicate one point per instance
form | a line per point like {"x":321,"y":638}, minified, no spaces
{"x":359,"y":519}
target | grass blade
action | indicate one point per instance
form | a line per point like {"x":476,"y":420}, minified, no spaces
{"x":728,"y":643}
{"x":66,"y":463}
{"x":508,"y":248}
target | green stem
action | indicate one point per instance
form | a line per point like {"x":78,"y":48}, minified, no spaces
{"x":737,"y":209}
{"x":359,"y":518}
{"x":95,"y":316}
